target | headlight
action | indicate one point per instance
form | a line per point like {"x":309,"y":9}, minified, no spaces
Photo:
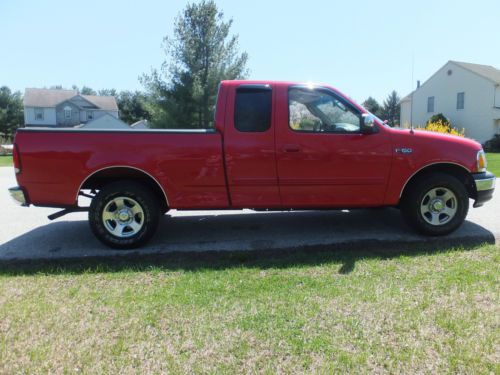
{"x":481,"y":161}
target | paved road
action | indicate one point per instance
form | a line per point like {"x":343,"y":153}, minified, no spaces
{"x":26,"y":233}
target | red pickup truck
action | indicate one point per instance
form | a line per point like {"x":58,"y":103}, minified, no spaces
{"x":274,"y":146}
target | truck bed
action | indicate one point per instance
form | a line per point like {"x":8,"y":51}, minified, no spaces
{"x":187,"y":164}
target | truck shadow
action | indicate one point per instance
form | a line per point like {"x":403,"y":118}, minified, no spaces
{"x":262,"y":240}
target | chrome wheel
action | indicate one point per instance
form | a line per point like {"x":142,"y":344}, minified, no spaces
{"x":123,"y":217}
{"x":438,"y":206}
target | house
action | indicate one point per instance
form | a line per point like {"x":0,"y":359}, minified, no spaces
{"x":106,"y":121}
{"x":467,"y":94}
{"x":65,"y":108}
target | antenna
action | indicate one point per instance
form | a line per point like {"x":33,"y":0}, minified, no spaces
{"x":412,"y":91}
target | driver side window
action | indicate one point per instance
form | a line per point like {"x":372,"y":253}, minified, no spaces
{"x":318,"y":111}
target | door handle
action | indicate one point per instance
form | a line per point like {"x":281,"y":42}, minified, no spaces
{"x":291,"y":148}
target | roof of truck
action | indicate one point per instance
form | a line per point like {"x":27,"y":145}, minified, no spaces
{"x":289,"y":83}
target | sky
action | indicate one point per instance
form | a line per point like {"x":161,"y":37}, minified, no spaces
{"x":363,"y":48}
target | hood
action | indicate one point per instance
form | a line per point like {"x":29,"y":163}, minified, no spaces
{"x":430,"y":147}
{"x":448,"y":139}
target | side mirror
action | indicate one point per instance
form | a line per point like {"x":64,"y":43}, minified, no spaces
{"x":368,"y":124}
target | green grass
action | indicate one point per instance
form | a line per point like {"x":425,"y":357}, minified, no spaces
{"x":326,"y":311}
{"x":5,"y":161}
{"x":493,"y":163}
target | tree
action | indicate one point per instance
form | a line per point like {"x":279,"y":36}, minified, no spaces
{"x":108,"y":92}
{"x":87,"y":91}
{"x":372,"y":105}
{"x":391,"y":109}
{"x":132,"y":106}
{"x":200,"y":54}
{"x":11,"y":111}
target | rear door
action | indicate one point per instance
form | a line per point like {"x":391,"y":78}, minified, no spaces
{"x":249,"y":145}
{"x":323,"y":158}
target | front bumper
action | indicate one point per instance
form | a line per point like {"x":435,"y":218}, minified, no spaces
{"x":485,"y":186}
{"x":18,"y":195}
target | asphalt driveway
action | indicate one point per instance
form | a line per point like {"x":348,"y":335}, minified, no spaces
{"x":26,"y":233}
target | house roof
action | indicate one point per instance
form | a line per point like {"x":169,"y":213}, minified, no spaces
{"x":105,"y":120}
{"x":486,"y":71}
{"x":53,"y":97}
{"x":406,"y":98}
{"x":104,"y":102}
{"x":46,"y":97}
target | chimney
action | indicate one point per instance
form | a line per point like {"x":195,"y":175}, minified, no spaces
{"x":418,"y":84}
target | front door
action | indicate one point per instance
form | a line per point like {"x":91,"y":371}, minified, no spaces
{"x":249,"y":147}
{"x":323,"y":159}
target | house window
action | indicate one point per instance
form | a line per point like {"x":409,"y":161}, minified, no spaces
{"x":67,"y":113}
{"x":39,"y":114}
{"x":430,"y":104}
{"x":90,"y":115}
{"x":460,"y":100}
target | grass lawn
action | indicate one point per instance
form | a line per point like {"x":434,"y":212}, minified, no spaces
{"x":5,"y":161}
{"x":493,"y":163}
{"x":387,"y":311}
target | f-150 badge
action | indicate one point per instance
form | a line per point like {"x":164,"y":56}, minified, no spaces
{"x":404,"y":150}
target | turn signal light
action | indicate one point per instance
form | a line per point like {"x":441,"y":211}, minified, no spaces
{"x":481,"y":161}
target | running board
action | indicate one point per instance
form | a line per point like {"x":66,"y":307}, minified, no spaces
{"x":66,"y":211}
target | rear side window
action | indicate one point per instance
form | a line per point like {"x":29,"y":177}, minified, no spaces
{"x":252,"y":112}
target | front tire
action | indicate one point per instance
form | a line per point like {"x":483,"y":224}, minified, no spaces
{"x":436,"y":204}
{"x":124,"y":215}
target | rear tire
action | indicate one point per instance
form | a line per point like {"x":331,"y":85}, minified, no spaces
{"x":436,"y":204}
{"x":124,"y":215}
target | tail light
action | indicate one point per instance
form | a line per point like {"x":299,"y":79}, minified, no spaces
{"x":17,"y":159}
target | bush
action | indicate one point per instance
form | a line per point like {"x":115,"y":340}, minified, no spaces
{"x":443,"y":127}
{"x":439,"y":118}
{"x":493,"y":145}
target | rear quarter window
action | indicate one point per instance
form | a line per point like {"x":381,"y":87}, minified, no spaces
{"x":252,"y":112}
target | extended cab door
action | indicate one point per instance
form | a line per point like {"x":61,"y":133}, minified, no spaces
{"x":323,"y":158}
{"x":249,"y":144}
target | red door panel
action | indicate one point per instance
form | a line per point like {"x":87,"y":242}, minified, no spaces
{"x":323,"y":169}
{"x":250,"y":159}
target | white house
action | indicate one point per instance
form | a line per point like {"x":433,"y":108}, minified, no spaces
{"x":467,"y":94}
{"x":107,"y":121}
{"x":65,"y":108}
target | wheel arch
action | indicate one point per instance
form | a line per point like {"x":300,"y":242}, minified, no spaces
{"x":103,"y":176}
{"x":456,"y":170}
